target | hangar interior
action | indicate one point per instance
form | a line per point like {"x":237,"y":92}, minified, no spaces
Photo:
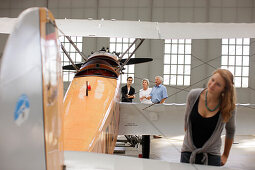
{"x":193,"y":11}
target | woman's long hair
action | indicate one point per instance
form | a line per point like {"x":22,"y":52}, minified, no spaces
{"x":228,"y":96}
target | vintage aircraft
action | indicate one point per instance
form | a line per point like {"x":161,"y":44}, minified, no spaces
{"x":40,"y":126}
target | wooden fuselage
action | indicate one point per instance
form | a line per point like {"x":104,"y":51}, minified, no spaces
{"x":91,"y":121}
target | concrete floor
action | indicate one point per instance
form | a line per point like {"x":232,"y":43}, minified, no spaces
{"x":242,"y":155}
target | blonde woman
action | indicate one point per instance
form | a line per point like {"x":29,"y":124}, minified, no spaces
{"x":207,"y":112}
{"x":145,"y":92}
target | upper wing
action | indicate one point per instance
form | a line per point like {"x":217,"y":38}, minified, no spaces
{"x":146,"y":30}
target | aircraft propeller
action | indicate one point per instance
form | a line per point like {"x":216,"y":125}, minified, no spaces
{"x":131,"y":61}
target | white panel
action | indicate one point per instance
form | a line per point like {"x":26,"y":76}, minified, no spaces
{"x":53,"y":3}
{"x":229,"y":14}
{"x":131,"y":3}
{"x":27,"y":4}
{"x":77,"y":13}
{"x":215,"y":3}
{"x":215,"y":15}
{"x":104,"y":3}
{"x":186,"y":3}
{"x":158,"y":15}
{"x":186,"y":14}
{"x":64,"y":13}
{"x":117,"y":13}
{"x":117,"y":3}
{"x":78,"y":4}
{"x":64,"y":4}
{"x":5,"y":4}
{"x":229,"y":3}
{"x":171,"y":14}
{"x":158,"y":4}
{"x":244,"y":15}
{"x":144,"y":14}
{"x":130,"y":14}
{"x":172,"y":3}
{"x":200,"y":15}
{"x":244,"y":3}
{"x":201,"y":3}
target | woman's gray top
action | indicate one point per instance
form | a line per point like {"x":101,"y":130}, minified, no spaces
{"x":213,"y":144}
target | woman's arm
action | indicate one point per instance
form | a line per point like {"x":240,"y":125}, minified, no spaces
{"x":227,"y":147}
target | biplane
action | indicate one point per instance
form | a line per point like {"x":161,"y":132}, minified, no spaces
{"x":37,"y":126}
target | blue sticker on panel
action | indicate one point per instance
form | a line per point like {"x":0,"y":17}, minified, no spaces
{"x":22,"y":110}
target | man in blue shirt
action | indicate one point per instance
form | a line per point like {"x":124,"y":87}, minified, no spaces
{"x":158,"y":93}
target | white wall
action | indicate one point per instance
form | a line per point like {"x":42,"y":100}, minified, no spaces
{"x":153,"y":10}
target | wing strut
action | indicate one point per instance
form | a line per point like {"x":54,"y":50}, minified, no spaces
{"x":68,"y":56}
{"x":129,"y":57}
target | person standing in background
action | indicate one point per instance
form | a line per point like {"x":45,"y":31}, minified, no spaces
{"x":158,"y":93}
{"x":127,"y":91}
{"x":145,"y":92}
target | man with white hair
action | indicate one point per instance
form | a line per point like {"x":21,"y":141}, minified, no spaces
{"x":158,"y":93}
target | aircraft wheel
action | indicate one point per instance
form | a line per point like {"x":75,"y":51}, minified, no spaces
{"x":146,"y":146}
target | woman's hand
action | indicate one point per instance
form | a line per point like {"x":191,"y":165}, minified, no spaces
{"x":224,"y":159}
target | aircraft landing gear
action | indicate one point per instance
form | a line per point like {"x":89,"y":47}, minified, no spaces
{"x":146,"y":146}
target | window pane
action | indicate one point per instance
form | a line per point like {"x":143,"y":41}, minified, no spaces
{"x":232,"y":70}
{"x":173,"y":80}
{"x":187,"y":70}
{"x":167,"y":69}
{"x":78,"y":59}
{"x":246,"y":50}
{"x":238,"y":71}
{"x":181,"y":40}
{"x":232,"y":41}
{"x":186,"y":80}
{"x":167,"y":41}
{"x":131,"y":69}
{"x":188,"y":41}
{"x":224,"y":60}
{"x":237,"y":81}
{"x":119,"y":48}
{"x":246,"y":41}
{"x":112,"y":47}
{"x":124,"y":78}
{"x":174,"y":40}
{"x":174,"y":49}
{"x":125,"y":47}
{"x":239,"y":41}
{"x":231,"y":50}
{"x":188,"y":49}
{"x":245,"y":60}
{"x":181,"y":49}
{"x":125,"y":40}
{"x":167,"y":59}
{"x":231,"y":60}
{"x":179,"y":80}
{"x":174,"y":59}
{"x":224,"y":41}
{"x":119,"y":40}
{"x":166,"y":79}
{"x":238,"y":60}
{"x":180,"y":69}
{"x":245,"y":71}
{"x":180,"y":59}
{"x":225,"y":50}
{"x":239,"y":50}
{"x":167,"y":48}
{"x":187,"y":59}
{"x":245,"y":82}
{"x":173,"y":69}
{"x":112,"y":40}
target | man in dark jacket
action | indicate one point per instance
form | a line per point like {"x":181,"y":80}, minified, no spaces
{"x":127,"y":91}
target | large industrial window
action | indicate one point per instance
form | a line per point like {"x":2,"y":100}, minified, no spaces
{"x":120,"y":45}
{"x":177,"y":62}
{"x":75,"y":56}
{"x":235,"y":58}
